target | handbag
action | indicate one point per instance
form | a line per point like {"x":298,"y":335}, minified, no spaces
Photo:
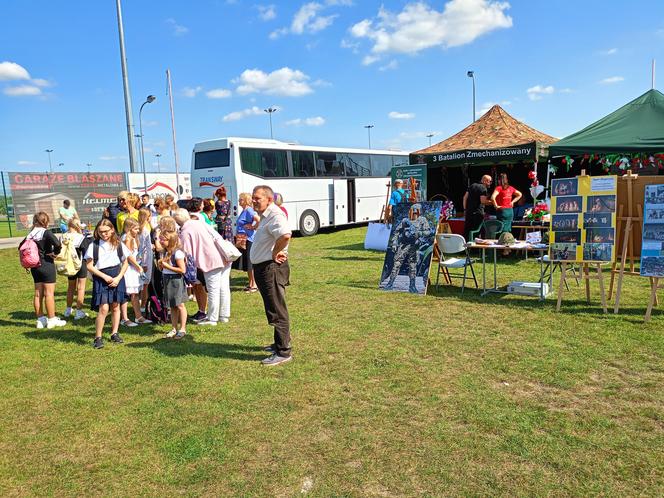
{"x":227,"y":250}
{"x":241,"y":241}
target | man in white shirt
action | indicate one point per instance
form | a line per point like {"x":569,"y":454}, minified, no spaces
{"x":269,"y":257}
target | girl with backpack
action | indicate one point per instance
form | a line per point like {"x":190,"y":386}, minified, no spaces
{"x":173,"y":266}
{"x":134,"y":277}
{"x":76,"y":283}
{"x":47,"y":245}
{"x":107,"y":262}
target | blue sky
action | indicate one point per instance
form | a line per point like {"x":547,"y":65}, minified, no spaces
{"x":330,"y":66}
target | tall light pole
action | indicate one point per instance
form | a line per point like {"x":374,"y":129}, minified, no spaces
{"x":148,"y":100}
{"x":368,"y":127}
{"x":471,"y":75}
{"x":429,"y":137}
{"x":89,"y":165}
{"x":158,"y":165}
{"x":127,"y":95}
{"x":270,"y":110}
{"x":61,"y":165}
{"x":50,"y":165}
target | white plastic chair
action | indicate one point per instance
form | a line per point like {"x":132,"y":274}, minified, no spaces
{"x":449,"y":243}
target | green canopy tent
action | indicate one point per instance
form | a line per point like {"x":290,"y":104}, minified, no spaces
{"x":637,"y":127}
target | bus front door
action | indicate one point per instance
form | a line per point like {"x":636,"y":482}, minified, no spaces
{"x":340,"y":202}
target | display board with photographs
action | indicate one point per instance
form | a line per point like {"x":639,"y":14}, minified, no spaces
{"x":410,"y":247}
{"x":583,"y":219}
{"x":652,"y":245}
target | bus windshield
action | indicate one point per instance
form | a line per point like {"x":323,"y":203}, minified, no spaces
{"x":212,"y":159}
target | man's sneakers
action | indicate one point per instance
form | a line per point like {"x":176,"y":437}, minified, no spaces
{"x":275,"y":359}
{"x":68,"y":312}
{"x":98,"y":343}
{"x":80,"y":314}
{"x":54,"y":322}
{"x":270,"y":349}
{"x":199,"y":316}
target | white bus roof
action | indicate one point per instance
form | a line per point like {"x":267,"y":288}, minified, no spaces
{"x":222,"y":143}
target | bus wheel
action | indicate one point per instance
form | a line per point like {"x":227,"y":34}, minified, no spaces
{"x":309,"y":223}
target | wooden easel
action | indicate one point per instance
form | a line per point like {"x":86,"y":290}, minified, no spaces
{"x":587,"y":277}
{"x":654,"y":286}
{"x":633,"y":221}
{"x":383,"y":212}
{"x":443,"y":227}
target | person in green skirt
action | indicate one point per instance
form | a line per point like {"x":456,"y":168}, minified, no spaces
{"x":504,"y":198}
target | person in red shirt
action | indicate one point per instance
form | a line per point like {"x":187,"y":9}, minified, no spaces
{"x":279,"y":200}
{"x":504,"y":198}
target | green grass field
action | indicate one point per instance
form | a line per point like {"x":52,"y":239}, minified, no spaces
{"x":388,"y":394}
{"x":4,"y":230}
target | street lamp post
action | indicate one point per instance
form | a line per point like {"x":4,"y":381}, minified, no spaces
{"x":471,"y":75}
{"x":148,"y":100}
{"x":158,"y":165}
{"x":270,"y":110}
{"x":50,"y":165}
{"x":60,"y":165}
{"x":429,"y":137}
{"x":89,"y":165}
{"x":368,"y":127}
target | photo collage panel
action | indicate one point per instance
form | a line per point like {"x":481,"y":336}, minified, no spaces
{"x":583,"y":218}
{"x":652,"y":240}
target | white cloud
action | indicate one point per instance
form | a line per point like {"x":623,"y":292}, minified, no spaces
{"x":536,"y":92}
{"x":10,"y":71}
{"x":41,"y":82}
{"x":309,"y":18}
{"x":218,"y":93}
{"x":237,"y":115}
{"x":418,"y":26}
{"x":566,"y":90}
{"x":401,"y":115}
{"x":27,"y":163}
{"x":191,"y":92}
{"x":611,"y":51}
{"x":316,"y":121}
{"x":611,"y":80}
{"x":488,"y":105}
{"x":393,"y":64}
{"x":111,"y":158}
{"x":285,"y":81}
{"x":266,"y":12}
{"x":22,"y":91}
{"x":178,"y":29}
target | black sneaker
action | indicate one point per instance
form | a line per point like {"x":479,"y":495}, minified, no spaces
{"x":270,"y":349}
{"x":116,"y":338}
{"x":198,"y":316}
{"x":98,"y":343}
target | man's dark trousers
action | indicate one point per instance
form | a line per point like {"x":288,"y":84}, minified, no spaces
{"x":473,"y":222}
{"x":271,"y":279}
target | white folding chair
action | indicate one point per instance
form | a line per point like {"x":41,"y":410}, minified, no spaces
{"x":448,"y":244}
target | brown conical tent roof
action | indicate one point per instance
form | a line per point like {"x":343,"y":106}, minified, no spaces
{"x":494,"y":130}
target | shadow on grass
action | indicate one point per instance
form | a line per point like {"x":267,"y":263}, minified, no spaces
{"x":62,"y":335}
{"x":188,"y":346}
{"x":22,"y":315}
{"x":348,"y":247}
{"x":352,"y":258}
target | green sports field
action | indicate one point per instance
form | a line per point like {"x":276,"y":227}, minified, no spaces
{"x":388,"y":394}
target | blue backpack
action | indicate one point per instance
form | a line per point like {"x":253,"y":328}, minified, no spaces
{"x":190,"y":270}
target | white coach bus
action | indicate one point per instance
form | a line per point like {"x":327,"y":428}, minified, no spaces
{"x":321,"y":186}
